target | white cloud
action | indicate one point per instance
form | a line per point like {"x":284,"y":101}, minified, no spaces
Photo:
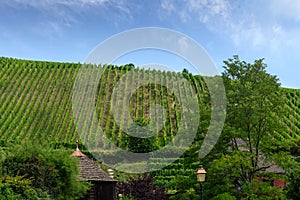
{"x":252,"y":23}
{"x":168,"y":6}
{"x":55,"y":16}
{"x":94,"y":1}
{"x":184,"y":17}
{"x":286,"y":8}
{"x":49,"y":29}
{"x":46,"y":3}
{"x":277,"y":29}
{"x":203,"y":10}
{"x":247,"y":35}
{"x":208,"y":10}
{"x":209,"y":7}
{"x":74,"y":5}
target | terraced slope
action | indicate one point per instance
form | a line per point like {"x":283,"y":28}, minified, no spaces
{"x":36,"y":101}
{"x":292,"y":114}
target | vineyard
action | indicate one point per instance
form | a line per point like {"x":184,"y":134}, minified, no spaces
{"x":36,"y":102}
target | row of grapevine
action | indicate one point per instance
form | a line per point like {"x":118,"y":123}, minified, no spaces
{"x":36,"y":102}
{"x":291,"y":118}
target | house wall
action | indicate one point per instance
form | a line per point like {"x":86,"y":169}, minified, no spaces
{"x":101,"y":191}
{"x":278,"y":183}
{"x":274,"y":183}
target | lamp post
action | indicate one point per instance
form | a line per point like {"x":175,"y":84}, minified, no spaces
{"x":201,"y":173}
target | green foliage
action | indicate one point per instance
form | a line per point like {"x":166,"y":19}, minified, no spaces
{"x":224,"y":196}
{"x":186,"y":187}
{"x":253,"y":101}
{"x":141,"y":144}
{"x":51,"y":171}
{"x":189,"y":194}
{"x":179,"y":177}
{"x":248,"y":143}
{"x":36,"y":104}
{"x":260,"y":191}
{"x":36,"y":101}
{"x":21,"y":188}
{"x":293,"y":182}
{"x":129,"y":197}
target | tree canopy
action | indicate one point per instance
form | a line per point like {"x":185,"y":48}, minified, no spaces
{"x":40,"y":172}
{"x":249,"y":148}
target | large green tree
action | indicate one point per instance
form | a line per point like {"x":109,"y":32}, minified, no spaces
{"x":254,"y":109}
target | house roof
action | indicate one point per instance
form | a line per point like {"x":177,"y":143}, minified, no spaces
{"x":89,"y":170}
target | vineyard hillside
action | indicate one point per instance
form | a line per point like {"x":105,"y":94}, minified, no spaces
{"x":36,"y":101}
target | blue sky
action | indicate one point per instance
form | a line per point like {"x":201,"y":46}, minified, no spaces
{"x":68,"y":30}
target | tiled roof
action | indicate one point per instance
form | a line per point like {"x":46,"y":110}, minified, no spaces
{"x":89,"y":170}
{"x":276,"y":169}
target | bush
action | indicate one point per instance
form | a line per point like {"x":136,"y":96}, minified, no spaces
{"x":293,"y":183}
{"x":224,"y":196}
{"x":52,"y":171}
{"x":20,"y":188}
{"x":142,"y":188}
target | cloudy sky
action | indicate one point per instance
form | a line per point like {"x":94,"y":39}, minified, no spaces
{"x":66,"y":30}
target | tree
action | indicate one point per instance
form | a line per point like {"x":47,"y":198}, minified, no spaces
{"x":293,"y":182}
{"x":141,"y":144}
{"x":53,"y":172}
{"x":254,"y":109}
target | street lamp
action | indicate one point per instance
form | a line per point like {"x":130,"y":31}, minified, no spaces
{"x":201,"y":173}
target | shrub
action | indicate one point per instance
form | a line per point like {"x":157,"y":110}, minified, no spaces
{"x":142,"y":188}
{"x":52,"y":171}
